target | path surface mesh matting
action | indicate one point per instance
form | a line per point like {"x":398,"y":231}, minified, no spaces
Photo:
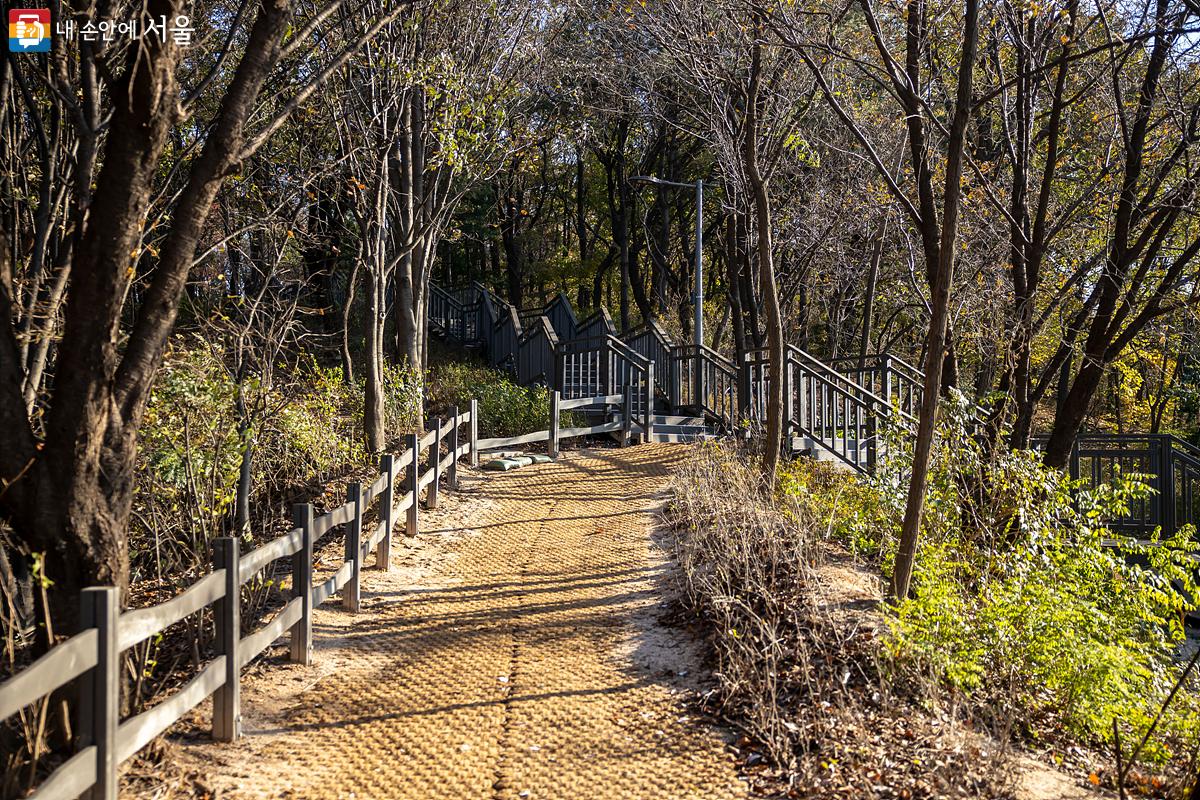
{"x":510,"y":671}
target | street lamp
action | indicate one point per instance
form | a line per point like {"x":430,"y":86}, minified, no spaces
{"x":698,"y":294}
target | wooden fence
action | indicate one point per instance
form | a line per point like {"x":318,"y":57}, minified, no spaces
{"x":93,"y":655}
{"x":92,"y":658}
{"x":629,"y":423}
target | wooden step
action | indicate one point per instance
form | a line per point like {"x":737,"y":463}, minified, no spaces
{"x":675,"y":419}
{"x":680,"y":438}
{"x":818,"y":450}
{"x":674,"y":424}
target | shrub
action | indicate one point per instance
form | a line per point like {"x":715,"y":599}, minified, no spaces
{"x":311,"y":428}
{"x":304,"y":429}
{"x":404,"y":397}
{"x":189,"y":455}
{"x":1020,"y":603}
{"x":797,"y":653}
{"x":744,"y":568}
{"x":505,"y":409}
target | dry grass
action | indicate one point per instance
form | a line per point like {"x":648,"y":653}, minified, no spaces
{"x":793,"y":628}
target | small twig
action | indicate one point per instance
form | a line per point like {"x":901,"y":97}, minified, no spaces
{"x":1183,"y":676}
{"x":1120,"y":769}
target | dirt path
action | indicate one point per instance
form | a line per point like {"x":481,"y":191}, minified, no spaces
{"x":514,"y":654}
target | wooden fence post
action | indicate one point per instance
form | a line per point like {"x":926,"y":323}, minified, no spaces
{"x":227,"y":700}
{"x":350,"y":592}
{"x":414,"y":461}
{"x":552,"y":443}
{"x":676,"y":367}
{"x":99,"y":608}
{"x":606,"y":376}
{"x":789,"y":407}
{"x":452,"y":476}
{"x":627,"y":416}
{"x":872,"y":440}
{"x":435,"y":463}
{"x":474,"y":432}
{"x":383,"y":551}
{"x":648,"y":422}
{"x":744,"y":390}
{"x":1166,"y":485}
{"x":302,"y":568}
{"x":885,"y":379}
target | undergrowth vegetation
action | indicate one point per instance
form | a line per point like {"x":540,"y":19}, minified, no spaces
{"x":505,"y":408}
{"x":1027,"y":615}
{"x":303,"y":429}
{"x":798,"y":668}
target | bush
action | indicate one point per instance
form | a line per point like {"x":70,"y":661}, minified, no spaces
{"x":311,"y":428}
{"x":404,"y":398}
{"x":1018,"y":604}
{"x":505,"y":409}
{"x":794,"y":632}
{"x":189,"y":455}
{"x":745,"y":568}
{"x":304,"y":429}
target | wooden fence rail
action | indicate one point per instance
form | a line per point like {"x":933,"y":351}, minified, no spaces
{"x":91,"y":658}
{"x":626,"y":400}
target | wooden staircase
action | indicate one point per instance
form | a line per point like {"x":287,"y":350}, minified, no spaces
{"x":834,"y":411}
{"x":690,"y":392}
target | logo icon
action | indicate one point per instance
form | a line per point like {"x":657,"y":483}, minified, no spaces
{"x":29,"y":30}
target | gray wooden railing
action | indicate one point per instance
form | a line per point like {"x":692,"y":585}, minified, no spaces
{"x":604,"y":365}
{"x":91,"y":659}
{"x":628,"y":423}
{"x":457,"y":318}
{"x":599,"y":323}
{"x":1172,"y":464}
{"x":704,"y":380}
{"x":654,"y":344}
{"x":835,"y":407}
{"x":535,"y":353}
{"x":562,"y":317}
{"x":886,"y":376}
{"x":822,"y":407}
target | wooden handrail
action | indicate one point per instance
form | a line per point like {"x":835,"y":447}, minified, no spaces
{"x":61,"y":665}
{"x":137,"y":626}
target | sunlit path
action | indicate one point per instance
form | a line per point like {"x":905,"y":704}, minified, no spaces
{"x":525,"y":665}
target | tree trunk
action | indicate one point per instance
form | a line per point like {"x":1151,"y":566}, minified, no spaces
{"x":773,"y":445}
{"x":374,"y":405}
{"x":1069,"y":419}
{"x":347,"y":318}
{"x":864,"y":341}
{"x":940,"y":305}
{"x":241,"y":521}
{"x":70,"y":496}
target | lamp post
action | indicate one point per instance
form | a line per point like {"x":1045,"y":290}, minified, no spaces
{"x":698,"y":292}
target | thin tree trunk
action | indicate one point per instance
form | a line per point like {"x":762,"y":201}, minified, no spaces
{"x":940,"y":301}
{"x":864,"y":341}
{"x":766,"y":264}
{"x":373,"y":400}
